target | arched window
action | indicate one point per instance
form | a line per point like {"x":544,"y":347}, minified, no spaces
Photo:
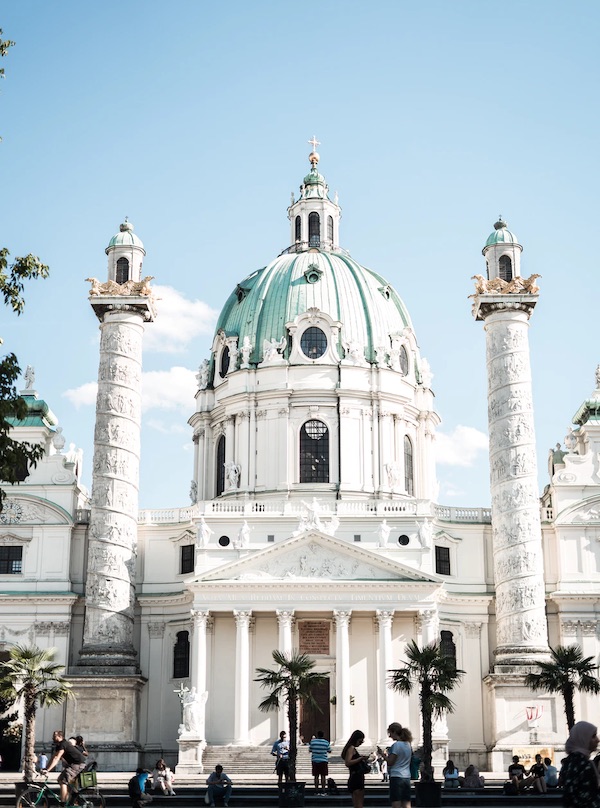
{"x":447,"y":646}
{"x":224,"y":364}
{"x":314,"y":452}
{"x":298,"y":234}
{"x":409,"y":476}
{"x":220,"y":470}
{"x":122,"y":270}
{"x":330,"y":228}
{"x":314,"y":229}
{"x":181,"y":656}
{"x":505,"y":268}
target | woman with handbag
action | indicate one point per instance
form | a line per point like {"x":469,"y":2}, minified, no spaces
{"x":358,"y":766}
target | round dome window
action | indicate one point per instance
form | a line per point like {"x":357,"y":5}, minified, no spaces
{"x":313,"y":343}
{"x":224,"y":541}
{"x":403,"y":540}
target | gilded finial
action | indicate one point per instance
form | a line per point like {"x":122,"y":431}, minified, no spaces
{"x":314,"y":156}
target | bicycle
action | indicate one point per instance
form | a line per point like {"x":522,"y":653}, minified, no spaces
{"x":37,"y":795}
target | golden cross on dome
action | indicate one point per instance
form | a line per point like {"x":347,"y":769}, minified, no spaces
{"x":314,"y":142}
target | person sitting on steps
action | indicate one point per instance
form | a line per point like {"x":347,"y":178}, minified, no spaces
{"x":218,"y":784}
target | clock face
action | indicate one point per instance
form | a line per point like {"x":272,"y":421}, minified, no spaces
{"x":11,"y":512}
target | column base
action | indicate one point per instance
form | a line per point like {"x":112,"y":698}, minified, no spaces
{"x":106,"y":711}
{"x":520,"y":659}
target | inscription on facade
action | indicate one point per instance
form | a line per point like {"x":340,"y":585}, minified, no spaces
{"x":313,"y":637}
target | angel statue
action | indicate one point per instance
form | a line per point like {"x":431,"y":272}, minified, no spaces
{"x":272,"y":349}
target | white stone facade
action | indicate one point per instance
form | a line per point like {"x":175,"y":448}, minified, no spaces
{"x":347,"y":565}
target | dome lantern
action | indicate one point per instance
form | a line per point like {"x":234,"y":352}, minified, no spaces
{"x":314,"y":218}
{"x":502,"y":253}
{"x":125,"y":253}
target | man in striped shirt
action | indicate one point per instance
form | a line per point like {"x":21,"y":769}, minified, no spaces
{"x":319,"y":749}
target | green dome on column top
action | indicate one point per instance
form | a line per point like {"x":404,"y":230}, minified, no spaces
{"x":501,"y":234}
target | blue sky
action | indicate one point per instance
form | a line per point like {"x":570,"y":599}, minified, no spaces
{"x":192,"y":118}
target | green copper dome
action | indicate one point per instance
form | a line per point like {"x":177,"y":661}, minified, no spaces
{"x":125,"y":237}
{"x":366,"y":305}
{"x":501,"y":235}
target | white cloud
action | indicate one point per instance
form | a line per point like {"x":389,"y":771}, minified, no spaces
{"x":82,"y":396}
{"x":172,"y":389}
{"x":178,"y":321}
{"x":461,"y":447}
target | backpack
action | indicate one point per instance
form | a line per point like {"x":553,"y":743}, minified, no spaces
{"x":510,"y":789}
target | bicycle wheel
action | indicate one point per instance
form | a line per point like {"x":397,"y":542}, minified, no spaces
{"x":32,"y":798}
{"x":90,"y":798}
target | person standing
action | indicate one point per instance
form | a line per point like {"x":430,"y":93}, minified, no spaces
{"x":281,"y":750}
{"x":219,"y":784}
{"x":42,"y":761}
{"x":358,"y":765}
{"x":398,"y":760}
{"x":578,"y":776}
{"x":319,"y":750}
{"x":73,"y":762}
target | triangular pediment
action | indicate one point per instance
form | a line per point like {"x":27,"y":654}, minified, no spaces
{"x":315,"y":556}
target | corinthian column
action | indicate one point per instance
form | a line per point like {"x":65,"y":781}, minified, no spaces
{"x":242,"y":676}
{"x":342,"y":674}
{"x":384,"y":623}
{"x":521,"y":630}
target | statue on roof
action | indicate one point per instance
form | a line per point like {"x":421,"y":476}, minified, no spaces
{"x":29,"y":377}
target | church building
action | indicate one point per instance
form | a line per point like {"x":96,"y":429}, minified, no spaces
{"x":313,"y":524}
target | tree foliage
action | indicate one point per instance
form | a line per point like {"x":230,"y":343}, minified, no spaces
{"x":292,"y":682}
{"x":31,"y":674}
{"x":435,"y":675}
{"x":14,"y":456}
{"x":567,"y":672}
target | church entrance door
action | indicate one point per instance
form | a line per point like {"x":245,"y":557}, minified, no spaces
{"x":313,"y":719}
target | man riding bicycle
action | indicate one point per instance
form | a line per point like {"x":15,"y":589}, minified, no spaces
{"x":73,"y":759}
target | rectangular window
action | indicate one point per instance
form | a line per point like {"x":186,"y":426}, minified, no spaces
{"x":442,"y":560}
{"x":270,"y":537}
{"x":187,"y":558}
{"x":11,"y":560}
{"x":357,"y":537}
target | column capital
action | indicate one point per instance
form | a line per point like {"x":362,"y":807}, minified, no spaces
{"x":201,"y":620}
{"x":342,"y":618}
{"x":285,"y":618}
{"x":156,"y":630}
{"x":242,"y":618}
{"x":384,"y":618}
{"x":472,"y":630}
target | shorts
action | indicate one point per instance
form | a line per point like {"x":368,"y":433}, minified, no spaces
{"x":399,"y":789}
{"x":282,"y":766}
{"x":320,"y":768}
{"x":70,"y":772}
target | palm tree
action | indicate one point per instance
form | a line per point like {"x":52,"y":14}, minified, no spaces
{"x":568,"y":671}
{"x":293,"y":681}
{"x":31,"y":674}
{"x":435,"y":674}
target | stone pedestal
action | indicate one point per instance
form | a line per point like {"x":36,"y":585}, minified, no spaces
{"x":105,"y":711}
{"x":191,"y":751}
{"x":508,"y":701}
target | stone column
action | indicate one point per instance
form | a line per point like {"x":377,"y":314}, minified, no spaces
{"x":384,"y":624}
{"x":342,"y":675}
{"x":242,"y":677}
{"x":521,"y":629}
{"x":110,"y":587}
{"x":285,"y":621}
{"x":429,"y":626}
{"x":200,"y":622}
